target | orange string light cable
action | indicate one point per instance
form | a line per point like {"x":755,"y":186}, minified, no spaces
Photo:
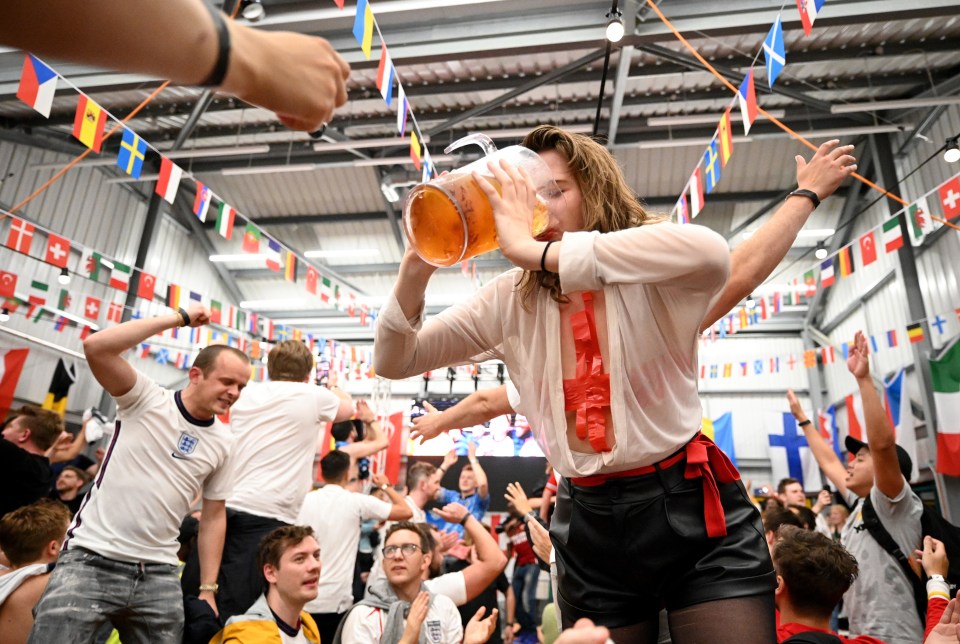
{"x":772,"y":119}
{"x":80,"y":157}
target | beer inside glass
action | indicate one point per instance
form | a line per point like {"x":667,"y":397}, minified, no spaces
{"x":449,"y":219}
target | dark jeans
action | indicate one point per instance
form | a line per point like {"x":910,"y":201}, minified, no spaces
{"x":85,"y":591}
{"x":525,"y":594}
{"x":241,"y":581}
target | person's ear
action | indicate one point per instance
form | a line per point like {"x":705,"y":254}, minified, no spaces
{"x":53,"y":548}
{"x":270,"y":573}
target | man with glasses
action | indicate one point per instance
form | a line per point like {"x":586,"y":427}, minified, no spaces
{"x":400,"y":606}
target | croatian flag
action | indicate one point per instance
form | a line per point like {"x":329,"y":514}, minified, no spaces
{"x":37,"y":85}
{"x":790,"y":456}
{"x":747,"y":97}
{"x":808,"y":13}
{"x":202,"y":203}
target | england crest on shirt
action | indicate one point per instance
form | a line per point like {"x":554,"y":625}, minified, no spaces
{"x":433,"y":630}
{"x":187,"y":443}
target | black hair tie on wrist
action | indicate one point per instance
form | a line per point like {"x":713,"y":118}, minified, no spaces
{"x":184,"y":317}
{"x":215,"y":79}
{"x":543,"y":258}
{"x":804,"y":423}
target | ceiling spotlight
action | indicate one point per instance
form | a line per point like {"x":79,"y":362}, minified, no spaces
{"x":390,"y":192}
{"x":4,"y":315}
{"x":252,"y":10}
{"x":751,"y":301}
{"x":64,"y":277}
{"x":614,"y":26}
{"x":952,"y":152}
{"x":821,"y":251}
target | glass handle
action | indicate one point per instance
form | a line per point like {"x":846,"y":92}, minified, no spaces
{"x":484,"y":141}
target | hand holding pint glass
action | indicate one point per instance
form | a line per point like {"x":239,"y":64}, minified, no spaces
{"x":450,"y":219}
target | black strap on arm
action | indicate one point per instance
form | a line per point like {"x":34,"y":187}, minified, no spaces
{"x":872,"y":523}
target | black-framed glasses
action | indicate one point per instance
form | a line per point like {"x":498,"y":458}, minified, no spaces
{"x":406,"y":548}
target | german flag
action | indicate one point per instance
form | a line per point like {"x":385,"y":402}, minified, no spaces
{"x":915,"y":332}
{"x":845,"y":260}
{"x":173,"y":295}
{"x":63,"y":378}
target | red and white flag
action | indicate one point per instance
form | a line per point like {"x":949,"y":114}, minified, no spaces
{"x":146,"y":285}
{"x":8,"y":284}
{"x":696,"y":193}
{"x":91,"y":308}
{"x":58,"y":250}
{"x":20,"y":236}
{"x":950,"y":198}
{"x":169,"y":180}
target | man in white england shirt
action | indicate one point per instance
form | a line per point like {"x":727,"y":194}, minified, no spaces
{"x":119,"y":561}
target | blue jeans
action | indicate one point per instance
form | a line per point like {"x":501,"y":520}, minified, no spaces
{"x":525,"y":594}
{"x":142,"y":601}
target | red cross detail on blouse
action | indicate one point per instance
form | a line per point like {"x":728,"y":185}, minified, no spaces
{"x":589,"y":390}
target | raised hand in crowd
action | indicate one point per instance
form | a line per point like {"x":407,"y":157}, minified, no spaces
{"x":428,"y":425}
{"x":948,"y":630}
{"x":824,"y":500}
{"x":418,"y":613}
{"x":478,"y":630}
{"x":518,"y":498}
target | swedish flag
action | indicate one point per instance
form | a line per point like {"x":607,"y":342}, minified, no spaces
{"x":132,"y":151}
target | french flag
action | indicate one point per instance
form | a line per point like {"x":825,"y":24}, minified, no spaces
{"x":37,"y":85}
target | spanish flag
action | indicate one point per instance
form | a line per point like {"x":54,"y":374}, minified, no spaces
{"x":415,"y":153}
{"x":88,"y":123}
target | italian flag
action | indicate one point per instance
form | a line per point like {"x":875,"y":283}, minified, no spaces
{"x":945,"y":372}
{"x":225,"y":220}
{"x":892,"y":237}
{"x":120,"y":276}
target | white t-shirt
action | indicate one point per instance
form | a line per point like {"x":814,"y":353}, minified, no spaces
{"x":335,"y":514}
{"x":364,"y":624}
{"x":276,"y":426}
{"x":880,"y":601}
{"x":159,"y":459}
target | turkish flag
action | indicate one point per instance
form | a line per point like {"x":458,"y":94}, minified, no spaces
{"x":312,"y":277}
{"x":58,"y":250}
{"x":146,"y":285}
{"x":868,"y":248}
{"x":8,"y":284}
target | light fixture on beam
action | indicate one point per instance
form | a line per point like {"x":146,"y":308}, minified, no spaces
{"x":252,"y":10}
{"x":902,"y":104}
{"x":268,"y":169}
{"x":343,"y":252}
{"x":614,"y":25}
{"x":360,"y":144}
{"x":951,"y":153}
{"x":238,"y":257}
{"x":288,"y":303}
{"x":701,"y":119}
{"x":375,"y":162}
{"x":64,"y":277}
{"x":821,"y":252}
{"x":343,"y":321}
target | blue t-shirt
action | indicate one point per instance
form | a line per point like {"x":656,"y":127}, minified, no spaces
{"x":477,"y":506}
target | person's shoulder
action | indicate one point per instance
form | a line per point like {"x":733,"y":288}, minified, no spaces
{"x":27,"y":594}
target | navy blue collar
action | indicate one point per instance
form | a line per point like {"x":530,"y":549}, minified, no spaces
{"x":177,"y":396}
{"x":286,"y":628}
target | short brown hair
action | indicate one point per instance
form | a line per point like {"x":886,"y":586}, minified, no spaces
{"x":45,"y":426}
{"x":816,"y":570}
{"x":289,"y":360}
{"x":279,"y":541}
{"x":773,"y":519}
{"x":83,"y":475}
{"x":26,"y":531}
{"x":207,"y":357}
{"x":418,"y":472}
{"x":425,"y":541}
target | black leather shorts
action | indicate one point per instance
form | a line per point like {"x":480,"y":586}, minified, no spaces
{"x":631,"y":546}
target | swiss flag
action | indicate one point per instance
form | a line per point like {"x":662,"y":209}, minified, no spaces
{"x":146,"y":285}
{"x":58,"y":250}
{"x":868,"y":248}
{"x":8,"y":284}
{"x":949,"y":198}
{"x":91,"y":309}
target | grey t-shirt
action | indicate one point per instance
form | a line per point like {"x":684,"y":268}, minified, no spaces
{"x":880,"y":602}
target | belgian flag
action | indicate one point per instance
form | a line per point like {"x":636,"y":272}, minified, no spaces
{"x":63,"y":378}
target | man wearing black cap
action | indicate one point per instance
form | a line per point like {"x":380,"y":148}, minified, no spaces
{"x":880,"y":601}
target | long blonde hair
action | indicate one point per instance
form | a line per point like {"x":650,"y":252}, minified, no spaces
{"x":608,"y":202}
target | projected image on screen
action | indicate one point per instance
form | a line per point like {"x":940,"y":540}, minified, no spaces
{"x":507,"y":435}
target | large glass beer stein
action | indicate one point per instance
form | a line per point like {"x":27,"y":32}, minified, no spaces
{"x":449,"y":219}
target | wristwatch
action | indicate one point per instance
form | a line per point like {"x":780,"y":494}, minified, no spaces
{"x":384,"y":486}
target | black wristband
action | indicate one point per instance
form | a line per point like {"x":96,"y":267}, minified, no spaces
{"x":543,"y":258}
{"x":464,"y":520}
{"x":804,"y":423}
{"x":184,"y":317}
{"x":215,"y":79}
{"x":809,"y":194}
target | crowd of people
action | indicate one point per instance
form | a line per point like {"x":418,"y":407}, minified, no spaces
{"x":652,"y":536}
